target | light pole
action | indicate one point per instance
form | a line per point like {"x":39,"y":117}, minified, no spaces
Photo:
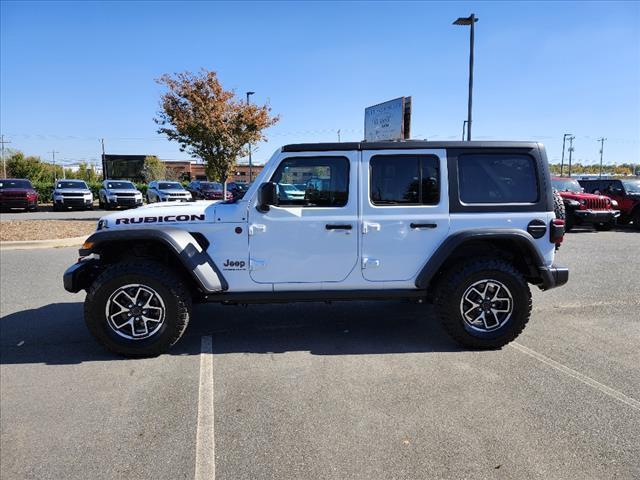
{"x":464,"y":127}
{"x":601,"y":140}
{"x":470,"y":20}
{"x":250,"y":168}
{"x":564,"y":139}
{"x":571,"y":138}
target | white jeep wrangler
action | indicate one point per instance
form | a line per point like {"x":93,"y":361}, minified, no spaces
{"x":465,"y":225}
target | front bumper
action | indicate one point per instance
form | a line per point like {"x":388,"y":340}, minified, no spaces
{"x":125,"y":202}
{"x":553,"y":277}
{"x":78,"y":276}
{"x":18,"y":202}
{"x":597,"y":216}
{"x":74,"y":202}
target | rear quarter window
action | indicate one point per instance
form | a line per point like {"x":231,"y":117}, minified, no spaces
{"x":496,"y":178}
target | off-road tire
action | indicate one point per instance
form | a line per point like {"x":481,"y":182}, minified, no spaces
{"x":452,"y":286}
{"x":558,"y":206}
{"x":170,"y":287}
{"x":569,"y":221}
{"x":635,"y":216}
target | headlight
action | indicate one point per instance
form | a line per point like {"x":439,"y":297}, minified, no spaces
{"x":573,"y":203}
{"x":112,"y":198}
{"x":583,"y":202}
{"x":614,"y":203}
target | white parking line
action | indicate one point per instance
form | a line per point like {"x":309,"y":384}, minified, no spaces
{"x":578,"y":376}
{"x":205,"y":441}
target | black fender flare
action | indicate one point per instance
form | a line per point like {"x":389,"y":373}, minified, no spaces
{"x":185,"y":246}
{"x":523,"y":239}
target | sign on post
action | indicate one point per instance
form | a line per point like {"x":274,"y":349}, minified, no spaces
{"x":388,"y":121}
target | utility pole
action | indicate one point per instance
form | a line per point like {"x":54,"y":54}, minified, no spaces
{"x":53,"y":155}
{"x":4,"y":162}
{"x":250,"y":163}
{"x":104,"y":165}
{"x":564,"y":139}
{"x":464,"y":126}
{"x":471,"y":21}
{"x":601,"y":140}
{"x":570,"y":151}
{"x":338,"y":135}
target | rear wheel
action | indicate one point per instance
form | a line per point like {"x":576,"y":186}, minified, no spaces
{"x":138,"y":309}
{"x":558,"y":206}
{"x":483,"y":304}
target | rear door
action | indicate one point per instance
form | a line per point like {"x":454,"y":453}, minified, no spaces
{"x":405,"y":211}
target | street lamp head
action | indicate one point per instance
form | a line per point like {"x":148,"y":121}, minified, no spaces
{"x":466,"y":20}
{"x":250,"y":93}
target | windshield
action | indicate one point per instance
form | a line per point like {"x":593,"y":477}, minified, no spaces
{"x":15,"y":184}
{"x":71,"y":185}
{"x":122,"y":185}
{"x":631,"y":186}
{"x":211,"y":186}
{"x":566,"y":185}
{"x":169,"y":186}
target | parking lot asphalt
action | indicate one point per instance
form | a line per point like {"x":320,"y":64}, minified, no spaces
{"x":45,"y":213}
{"x":341,"y":391}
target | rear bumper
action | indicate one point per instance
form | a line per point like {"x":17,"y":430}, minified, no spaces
{"x":553,"y":277}
{"x":597,"y":216}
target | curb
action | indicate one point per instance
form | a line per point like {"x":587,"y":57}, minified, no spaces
{"x":55,"y":243}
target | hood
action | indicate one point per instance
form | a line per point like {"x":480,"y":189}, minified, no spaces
{"x":582,"y":196}
{"x":159,"y":214}
{"x":174,"y":191}
{"x":84,"y":191}
{"x":121,"y":190}
{"x":17,"y":190}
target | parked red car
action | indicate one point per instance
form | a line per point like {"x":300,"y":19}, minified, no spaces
{"x":201,"y":190}
{"x":583,"y":208}
{"x":18,"y":193}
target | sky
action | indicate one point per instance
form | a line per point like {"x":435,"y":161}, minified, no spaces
{"x":72,"y":73}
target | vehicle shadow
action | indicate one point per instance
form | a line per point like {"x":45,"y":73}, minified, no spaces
{"x":55,"y":334}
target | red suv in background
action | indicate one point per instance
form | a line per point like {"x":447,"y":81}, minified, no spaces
{"x":625,"y":191}
{"x":581,"y":208}
{"x":201,"y":190}
{"x":18,"y":193}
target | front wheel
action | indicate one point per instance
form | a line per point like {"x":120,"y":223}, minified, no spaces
{"x":483,"y":304}
{"x":137,"y":309}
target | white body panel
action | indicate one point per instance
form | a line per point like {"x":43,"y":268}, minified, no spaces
{"x":289,"y":248}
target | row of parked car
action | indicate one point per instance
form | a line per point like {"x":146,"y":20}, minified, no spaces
{"x":601,"y":202}
{"x":20,"y":193}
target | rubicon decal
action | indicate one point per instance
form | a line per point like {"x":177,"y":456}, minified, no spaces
{"x":164,"y":219}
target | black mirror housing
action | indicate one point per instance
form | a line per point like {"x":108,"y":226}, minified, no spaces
{"x":267,"y":196}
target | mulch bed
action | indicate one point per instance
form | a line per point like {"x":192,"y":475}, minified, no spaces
{"x":12,"y":230}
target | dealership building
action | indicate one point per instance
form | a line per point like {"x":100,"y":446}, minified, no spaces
{"x":129,"y":167}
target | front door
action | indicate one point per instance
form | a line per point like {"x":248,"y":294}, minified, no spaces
{"x":405,"y":211}
{"x":312,"y":235}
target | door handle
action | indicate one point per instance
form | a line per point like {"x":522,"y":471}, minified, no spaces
{"x":423,"y":225}
{"x":338,"y":227}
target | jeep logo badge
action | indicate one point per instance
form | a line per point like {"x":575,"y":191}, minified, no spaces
{"x":234,"y":265}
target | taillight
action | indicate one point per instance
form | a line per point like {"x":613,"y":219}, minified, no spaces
{"x":556,"y":231}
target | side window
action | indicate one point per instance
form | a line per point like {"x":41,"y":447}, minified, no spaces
{"x":497,"y":178}
{"x":313,"y":181}
{"x":404,"y":180}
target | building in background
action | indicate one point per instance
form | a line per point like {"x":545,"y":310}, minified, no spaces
{"x":129,"y":167}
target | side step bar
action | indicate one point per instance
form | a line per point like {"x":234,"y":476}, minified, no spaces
{"x":316,"y":296}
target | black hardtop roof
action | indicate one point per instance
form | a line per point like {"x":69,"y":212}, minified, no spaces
{"x":406,"y":145}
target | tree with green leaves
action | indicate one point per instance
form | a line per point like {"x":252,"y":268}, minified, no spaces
{"x":210,"y":122}
{"x":153,"y":169}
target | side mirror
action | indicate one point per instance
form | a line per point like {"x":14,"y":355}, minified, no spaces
{"x":267,"y":196}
